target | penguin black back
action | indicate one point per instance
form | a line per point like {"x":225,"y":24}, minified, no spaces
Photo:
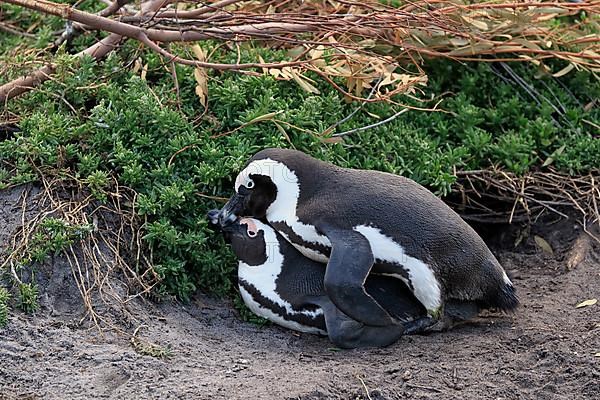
{"x":425,"y":227}
{"x":370,"y":217}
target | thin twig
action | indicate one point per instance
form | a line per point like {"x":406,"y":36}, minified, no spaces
{"x":365,"y":387}
{"x":375,"y":125}
{"x":357,"y":109}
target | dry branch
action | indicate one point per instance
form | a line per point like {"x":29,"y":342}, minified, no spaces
{"x":366,"y":41}
{"x":97,"y":51}
{"x":22,"y":85}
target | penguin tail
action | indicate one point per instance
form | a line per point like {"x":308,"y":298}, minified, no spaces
{"x":501,"y":294}
{"x":505,"y":298}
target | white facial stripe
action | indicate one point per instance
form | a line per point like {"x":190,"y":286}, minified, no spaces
{"x":283,"y":209}
{"x":258,"y":309}
{"x":263,"y":277}
{"x":423,"y":280}
{"x":275,"y":170}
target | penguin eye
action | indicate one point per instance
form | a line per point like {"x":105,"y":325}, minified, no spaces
{"x":250,"y":184}
{"x":252,"y":234}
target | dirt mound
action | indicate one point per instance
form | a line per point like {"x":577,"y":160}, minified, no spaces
{"x":544,"y":351}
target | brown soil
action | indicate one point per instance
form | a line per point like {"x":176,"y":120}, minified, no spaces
{"x":547,"y":350}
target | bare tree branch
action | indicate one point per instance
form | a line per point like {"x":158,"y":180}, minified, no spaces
{"x":353,"y":31}
{"x":26,"y":83}
{"x":197,"y":12}
{"x":98,"y":51}
{"x":14,"y":31}
{"x":74,"y":29}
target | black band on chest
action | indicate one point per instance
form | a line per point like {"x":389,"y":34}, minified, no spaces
{"x":296,"y":239}
{"x":315,"y":322}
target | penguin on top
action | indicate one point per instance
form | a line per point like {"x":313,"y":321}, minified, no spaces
{"x":362,"y":221}
{"x":278,"y":283}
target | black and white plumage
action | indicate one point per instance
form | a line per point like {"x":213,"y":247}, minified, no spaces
{"x":278,"y":283}
{"x":353,"y":219}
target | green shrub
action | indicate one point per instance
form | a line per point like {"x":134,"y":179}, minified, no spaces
{"x":4,"y":297}
{"x":28,"y":295}
{"x":133,"y":131}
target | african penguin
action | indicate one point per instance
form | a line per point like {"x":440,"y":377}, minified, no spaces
{"x":278,"y":283}
{"x":353,"y":219}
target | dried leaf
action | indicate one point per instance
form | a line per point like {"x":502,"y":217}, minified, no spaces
{"x":200,"y":76}
{"x":549,"y":10}
{"x":358,"y":88}
{"x":564,"y":71}
{"x":588,"y":107}
{"x":144,"y":71}
{"x":389,"y":78}
{"x":283,"y":132}
{"x":317,"y":53}
{"x":597,"y":354}
{"x":544,"y":245}
{"x":404,"y":78}
{"x":476,"y":23}
{"x":472,"y":50}
{"x":508,"y":48}
{"x":287,"y":73}
{"x":587,"y":303}
{"x":300,"y":80}
{"x":527,"y":44}
{"x":262,"y":61}
{"x":332,"y":140}
{"x":264,"y":117}
{"x":458,"y":42}
{"x":202,"y":85}
{"x":296,"y":52}
{"x":198,"y":52}
{"x":555,"y":154}
{"x":319,"y":63}
{"x":137,"y":65}
{"x":275,"y":72}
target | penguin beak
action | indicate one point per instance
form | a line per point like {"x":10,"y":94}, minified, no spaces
{"x":230,"y":211}
{"x":213,"y":217}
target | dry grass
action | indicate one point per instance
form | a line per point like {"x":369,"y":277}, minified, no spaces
{"x":110,"y":264}
{"x":496,"y":196}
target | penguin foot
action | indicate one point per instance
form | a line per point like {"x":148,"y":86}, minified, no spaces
{"x":419,"y":325}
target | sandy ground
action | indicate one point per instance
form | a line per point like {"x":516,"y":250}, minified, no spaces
{"x":547,"y":350}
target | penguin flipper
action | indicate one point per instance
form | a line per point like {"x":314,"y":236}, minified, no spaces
{"x":349,"y":265}
{"x":346,"y":333}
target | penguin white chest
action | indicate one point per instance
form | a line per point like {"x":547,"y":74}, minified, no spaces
{"x":264,"y":279}
{"x":262,"y":311}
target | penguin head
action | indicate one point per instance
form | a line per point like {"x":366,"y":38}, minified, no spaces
{"x":267,"y":185}
{"x":257,"y":188}
{"x":248,"y":239}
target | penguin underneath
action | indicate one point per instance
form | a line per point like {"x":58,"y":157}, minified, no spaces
{"x":278,"y":283}
{"x":362,"y":221}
